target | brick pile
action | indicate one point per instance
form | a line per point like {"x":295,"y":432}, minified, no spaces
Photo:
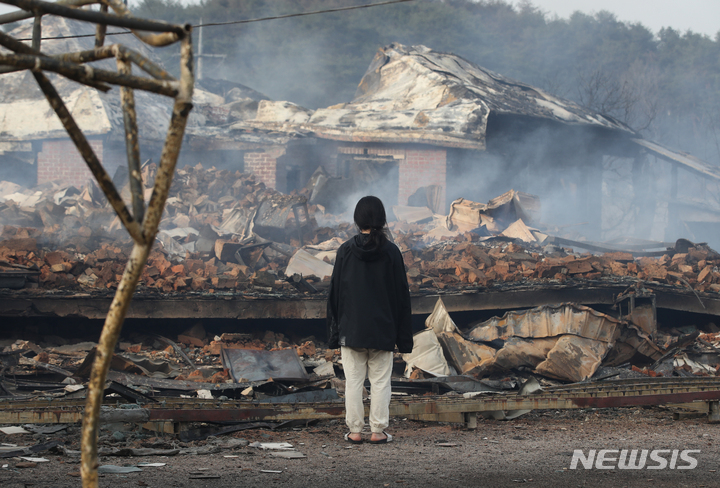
{"x":103,"y":268}
{"x":80,"y":244}
{"x":463,"y":261}
{"x":459,"y":262}
{"x":74,"y":241}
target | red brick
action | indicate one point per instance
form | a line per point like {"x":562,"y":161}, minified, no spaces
{"x":60,"y":161}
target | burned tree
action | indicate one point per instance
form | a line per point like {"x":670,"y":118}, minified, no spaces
{"x":142,"y":223}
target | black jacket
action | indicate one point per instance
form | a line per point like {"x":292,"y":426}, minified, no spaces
{"x":369,"y":301}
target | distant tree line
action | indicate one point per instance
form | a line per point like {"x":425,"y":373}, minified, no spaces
{"x":665,"y":84}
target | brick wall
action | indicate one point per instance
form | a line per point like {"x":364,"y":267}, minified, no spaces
{"x":422,"y":167}
{"x":418,"y":167}
{"x":60,"y":161}
{"x":268,"y":168}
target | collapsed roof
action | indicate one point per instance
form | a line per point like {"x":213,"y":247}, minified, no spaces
{"x":415,"y":94}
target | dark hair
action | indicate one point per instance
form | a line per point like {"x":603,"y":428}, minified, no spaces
{"x":370,"y":214}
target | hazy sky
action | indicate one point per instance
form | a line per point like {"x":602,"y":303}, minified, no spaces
{"x":702,"y":16}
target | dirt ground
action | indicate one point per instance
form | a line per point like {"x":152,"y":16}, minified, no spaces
{"x":533,"y":450}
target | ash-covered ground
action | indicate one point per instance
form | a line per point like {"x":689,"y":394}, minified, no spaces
{"x":533,"y":450}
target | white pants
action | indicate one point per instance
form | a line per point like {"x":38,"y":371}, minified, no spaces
{"x":377,"y":366}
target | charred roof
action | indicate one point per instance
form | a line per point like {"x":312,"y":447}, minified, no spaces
{"x":415,"y":94}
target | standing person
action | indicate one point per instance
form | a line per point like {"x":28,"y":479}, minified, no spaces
{"x":368,"y":313}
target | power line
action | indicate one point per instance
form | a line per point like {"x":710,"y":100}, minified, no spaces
{"x":247,"y":21}
{"x":339,"y":9}
{"x":55,"y":38}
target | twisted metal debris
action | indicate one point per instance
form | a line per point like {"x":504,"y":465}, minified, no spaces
{"x":141,"y":223}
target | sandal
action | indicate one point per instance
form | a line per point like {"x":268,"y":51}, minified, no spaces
{"x":388,"y":438}
{"x":352,"y":441}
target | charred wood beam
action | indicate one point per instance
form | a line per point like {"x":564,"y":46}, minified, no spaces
{"x":18,"y":47}
{"x":178,"y":350}
{"x":136,"y":263}
{"x":23,"y":14}
{"x":101,"y":29}
{"x":37,"y":32}
{"x":138,"y":415}
{"x":227,"y":389}
{"x":86,"y":151}
{"x":169,"y":308}
{"x":87,"y":74}
{"x":128,"y":393}
{"x":69,"y":414}
{"x":132,"y":144}
{"x":435,"y":406}
{"x":115,"y":50}
{"x":45,"y":366}
{"x":126,"y":21}
{"x":38,"y":386}
{"x":173,"y":142}
{"x":301,"y":284}
{"x":167,"y":389}
{"x":157,"y":40}
{"x":203,"y":433}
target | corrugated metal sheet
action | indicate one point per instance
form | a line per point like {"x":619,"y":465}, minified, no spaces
{"x":548,"y":321}
{"x":573,"y":358}
{"x":567,"y":342}
{"x":254,"y":365}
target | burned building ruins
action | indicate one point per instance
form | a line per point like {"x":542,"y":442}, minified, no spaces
{"x":424,"y":127}
{"x":487,"y":179}
{"x":424,"y":120}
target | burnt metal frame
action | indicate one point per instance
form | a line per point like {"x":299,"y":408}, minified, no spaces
{"x":142,"y":223}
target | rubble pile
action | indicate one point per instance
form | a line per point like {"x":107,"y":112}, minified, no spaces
{"x":156,"y":365}
{"x":463,"y":260}
{"x":553,"y":344}
{"x":566,"y":342}
{"x":481,"y":244}
{"x":221,"y":230}
{"x":225,"y":231}
{"x":459,"y":262}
